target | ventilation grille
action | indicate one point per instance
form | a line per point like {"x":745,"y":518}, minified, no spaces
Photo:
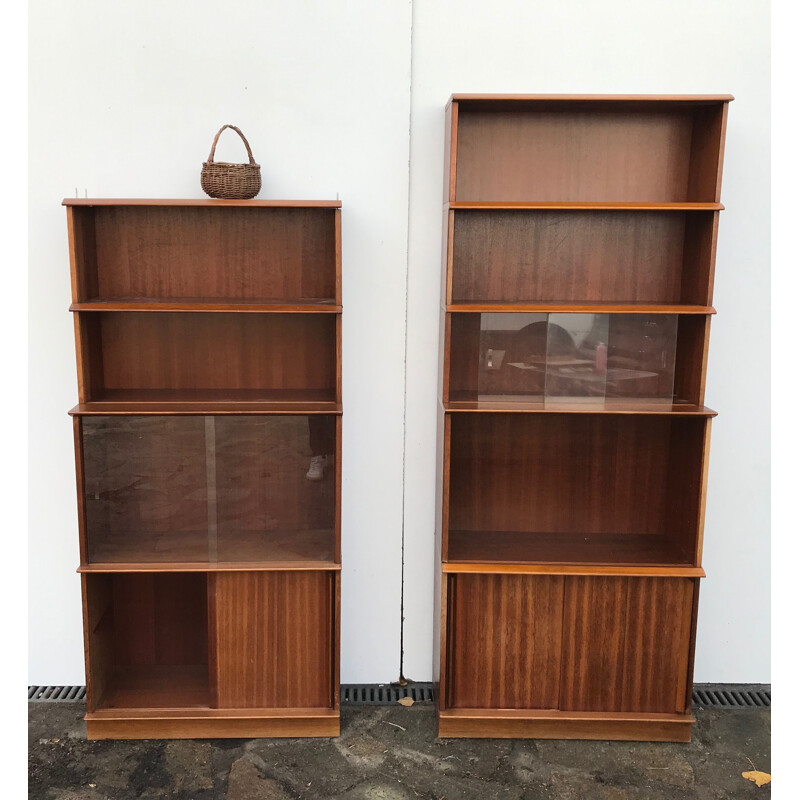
{"x":376,"y":694}
{"x":56,"y":693}
{"x":705,"y":695}
{"x":729,"y":695}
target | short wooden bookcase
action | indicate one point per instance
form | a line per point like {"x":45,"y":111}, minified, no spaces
{"x":580,"y":236}
{"x":208,"y":339}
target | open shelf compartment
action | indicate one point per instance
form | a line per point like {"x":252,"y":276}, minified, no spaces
{"x":569,"y":256}
{"x":574,"y":489}
{"x":588,"y":150}
{"x":196,"y":357}
{"x":184,"y":642}
{"x":212,"y":252}
{"x":209,"y":490}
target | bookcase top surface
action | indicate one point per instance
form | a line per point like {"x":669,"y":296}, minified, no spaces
{"x":676,"y":98}
{"x":209,"y":203}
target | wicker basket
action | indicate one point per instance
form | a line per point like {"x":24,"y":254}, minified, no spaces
{"x":231,"y":181}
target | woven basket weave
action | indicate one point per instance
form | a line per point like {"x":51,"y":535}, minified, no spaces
{"x":231,"y":181}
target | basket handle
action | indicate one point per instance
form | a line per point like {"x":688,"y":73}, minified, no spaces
{"x":216,"y":139}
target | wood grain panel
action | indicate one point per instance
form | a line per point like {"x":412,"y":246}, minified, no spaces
{"x":579,"y":154}
{"x":505,"y":635}
{"x":580,"y":256}
{"x":594,"y":643}
{"x":218,"y":351}
{"x":273,"y":639}
{"x":160,"y":619}
{"x":626,"y":644}
{"x":658,"y":628}
{"x":208,"y":251}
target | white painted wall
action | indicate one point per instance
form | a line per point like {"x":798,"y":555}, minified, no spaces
{"x":615,"y":46}
{"x":124,"y":101}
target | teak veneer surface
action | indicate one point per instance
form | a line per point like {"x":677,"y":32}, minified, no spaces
{"x":272,"y":633}
{"x":588,"y":152}
{"x":225,"y":352}
{"x":231,"y":252}
{"x":580,"y":257}
{"x":568,"y":642}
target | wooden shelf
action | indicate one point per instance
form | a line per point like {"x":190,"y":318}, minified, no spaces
{"x":160,"y":686}
{"x":575,"y":308}
{"x":211,"y":566}
{"x":189,"y":551}
{"x":590,"y":549}
{"x":671,"y":100}
{"x":254,"y":306}
{"x":549,"y":205}
{"x":507,"y":405}
{"x":588,"y":570}
{"x":205,"y":202}
{"x":208,"y":401}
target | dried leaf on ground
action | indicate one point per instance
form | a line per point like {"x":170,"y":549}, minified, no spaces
{"x":406,"y":701}
{"x":758,"y":778}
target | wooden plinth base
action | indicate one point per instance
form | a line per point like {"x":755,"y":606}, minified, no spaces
{"x":530,"y":724}
{"x":206,"y":723}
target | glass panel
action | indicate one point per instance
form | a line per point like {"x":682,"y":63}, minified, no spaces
{"x":577,"y":355}
{"x":213,"y":488}
{"x":558,"y":358}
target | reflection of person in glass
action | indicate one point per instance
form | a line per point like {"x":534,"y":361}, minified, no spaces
{"x":322,"y":440}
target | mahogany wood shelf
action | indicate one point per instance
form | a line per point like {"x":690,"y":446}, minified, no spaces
{"x":587,"y":206}
{"x":580,"y":245}
{"x":208,"y":343}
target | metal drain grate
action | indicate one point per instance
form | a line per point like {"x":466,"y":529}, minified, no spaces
{"x":379,"y":694}
{"x":729,"y":695}
{"x":51,"y":693}
{"x":705,"y":695}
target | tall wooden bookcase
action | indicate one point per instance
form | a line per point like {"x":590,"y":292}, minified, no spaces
{"x":580,"y":237}
{"x":208,"y":340}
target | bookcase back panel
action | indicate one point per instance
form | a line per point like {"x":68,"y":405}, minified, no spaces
{"x":272,"y":633}
{"x":581,"y":256}
{"x":174,"y":252}
{"x":572,"y":474}
{"x":591,"y":153}
{"x":260,"y":353}
{"x":208,"y":488}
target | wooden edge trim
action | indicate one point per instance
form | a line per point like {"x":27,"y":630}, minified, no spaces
{"x":453,"y":174}
{"x":686,"y":98}
{"x":571,"y":569}
{"x":110,"y":306}
{"x":141,"y":201}
{"x":575,"y":308}
{"x":105,"y":409}
{"x":199,"y":566}
{"x":212,"y":728}
{"x":565,"y":725}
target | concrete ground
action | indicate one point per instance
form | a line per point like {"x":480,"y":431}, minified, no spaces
{"x":392,"y":753}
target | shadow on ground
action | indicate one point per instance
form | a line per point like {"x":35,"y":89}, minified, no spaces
{"x":392,"y":753}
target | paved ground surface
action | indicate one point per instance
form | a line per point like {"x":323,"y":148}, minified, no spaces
{"x":392,"y":753}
